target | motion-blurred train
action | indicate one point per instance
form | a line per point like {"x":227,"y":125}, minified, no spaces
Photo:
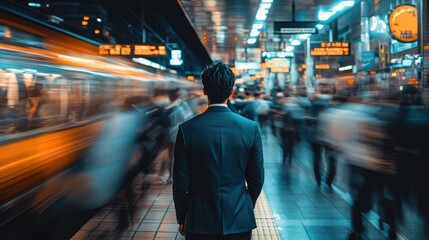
{"x":55,"y":91}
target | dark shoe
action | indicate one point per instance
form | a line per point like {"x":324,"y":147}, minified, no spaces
{"x":355,"y":236}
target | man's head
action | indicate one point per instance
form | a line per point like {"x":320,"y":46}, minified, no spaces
{"x":218,"y":81}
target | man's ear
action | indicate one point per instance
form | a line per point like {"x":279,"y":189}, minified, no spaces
{"x":204,"y":92}
{"x":232,"y":92}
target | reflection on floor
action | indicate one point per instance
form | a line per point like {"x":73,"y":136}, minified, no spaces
{"x":291,"y":207}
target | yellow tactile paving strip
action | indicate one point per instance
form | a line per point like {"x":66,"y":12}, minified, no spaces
{"x":264,"y":220}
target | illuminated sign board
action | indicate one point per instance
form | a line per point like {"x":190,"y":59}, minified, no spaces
{"x":149,"y":50}
{"x":331,"y":49}
{"x":278,"y":65}
{"x":403,"y":23}
{"x":322,"y":66}
{"x":130,"y":49}
{"x":295,"y":27}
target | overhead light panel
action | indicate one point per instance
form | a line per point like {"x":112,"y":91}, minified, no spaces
{"x":251,"y":40}
{"x":343,"y":5}
{"x":254,"y":33}
{"x":295,"y":42}
{"x":267,"y":1}
{"x":257,"y":26}
{"x":323,"y":16}
{"x":31,"y":4}
{"x":290,"y":48}
{"x":261,"y":15}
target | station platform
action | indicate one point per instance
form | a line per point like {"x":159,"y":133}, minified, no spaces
{"x":291,"y":206}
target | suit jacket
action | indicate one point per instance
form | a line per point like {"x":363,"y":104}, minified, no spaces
{"x":218,"y":172}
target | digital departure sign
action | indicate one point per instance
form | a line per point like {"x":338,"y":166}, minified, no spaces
{"x":149,"y":50}
{"x":132,"y":50}
{"x":334,"y":49}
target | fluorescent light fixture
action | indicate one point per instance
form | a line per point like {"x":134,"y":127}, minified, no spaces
{"x":98,"y":19}
{"x":267,"y":1}
{"x":251,"y":40}
{"x":254,"y":33}
{"x":261,"y":14}
{"x":265,"y":6}
{"x":31,"y":4}
{"x":345,"y":68}
{"x":401,"y":88}
{"x":304,"y":36}
{"x":295,"y":42}
{"x":323,"y":16}
{"x":290,"y":48}
{"x":319,"y":26}
{"x":257,"y":26}
{"x":343,"y":5}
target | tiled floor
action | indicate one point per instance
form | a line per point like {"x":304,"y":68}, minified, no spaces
{"x":292,"y":207}
{"x":155,"y":219}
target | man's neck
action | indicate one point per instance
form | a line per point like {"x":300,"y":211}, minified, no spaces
{"x":210,"y":102}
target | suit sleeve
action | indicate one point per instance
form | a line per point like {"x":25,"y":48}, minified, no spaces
{"x":255,"y":168}
{"x":181,"y":180}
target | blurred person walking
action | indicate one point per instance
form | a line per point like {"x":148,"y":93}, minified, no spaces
{"x":218,"y":169}
{"x":178,"y":112}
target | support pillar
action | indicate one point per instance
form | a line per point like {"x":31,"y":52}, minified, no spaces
{"x":423,"y":8}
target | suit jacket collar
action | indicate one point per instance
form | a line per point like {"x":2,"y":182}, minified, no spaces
{"x":218,"y":109}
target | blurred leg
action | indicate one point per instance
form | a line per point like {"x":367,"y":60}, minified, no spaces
{"x":316,"y":161}
{"x":332,"y":167}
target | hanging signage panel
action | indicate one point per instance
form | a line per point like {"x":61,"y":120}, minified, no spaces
{"x":130,"y":49}
{"x":368,"y":60}
{"x":334,"y":49}
{"x":295,"y":27}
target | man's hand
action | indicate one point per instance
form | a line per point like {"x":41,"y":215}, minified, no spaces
{"x":182,"y":229}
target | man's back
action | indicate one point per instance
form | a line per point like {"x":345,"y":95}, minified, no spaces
{"x":217,"y":152}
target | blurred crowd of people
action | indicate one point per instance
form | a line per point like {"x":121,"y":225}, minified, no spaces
{"x":381,"y":138}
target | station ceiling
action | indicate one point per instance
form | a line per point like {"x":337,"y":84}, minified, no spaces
{"x":206,"y":29}
{"x":224,"y":25}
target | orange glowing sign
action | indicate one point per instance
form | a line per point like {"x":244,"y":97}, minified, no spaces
{"x":149,"y":50}
{"x":331,"y":49}
{"x":403,"y":23}
{"x":278,"y":65}
{"x":134,"y":50}
{"x":322,"y":66}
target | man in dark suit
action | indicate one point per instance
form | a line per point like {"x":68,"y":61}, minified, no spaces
{"x":218,"y":169}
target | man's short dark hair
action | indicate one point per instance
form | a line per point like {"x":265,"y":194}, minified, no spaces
{"x":218,"y":81}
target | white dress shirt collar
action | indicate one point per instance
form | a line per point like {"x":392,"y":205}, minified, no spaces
{"x":218,"y":105}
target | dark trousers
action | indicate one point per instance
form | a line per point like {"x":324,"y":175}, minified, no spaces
{"x":331,"y":163}
{"x":236,"y":236}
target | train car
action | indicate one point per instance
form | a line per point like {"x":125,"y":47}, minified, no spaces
{"x":55,"y":94}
